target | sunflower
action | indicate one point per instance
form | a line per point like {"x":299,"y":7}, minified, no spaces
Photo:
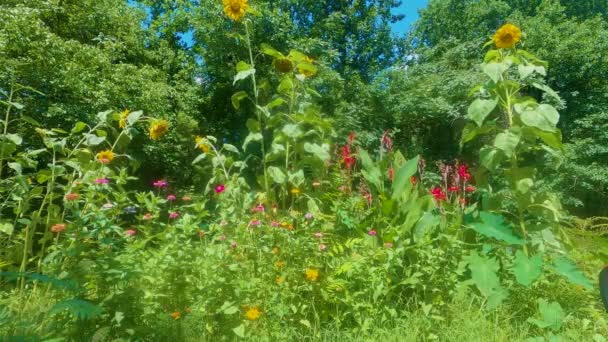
{"x":283,"y":65}
{"x":307,"y":71}
{"x":158,"y":129}
{"x":235,"y":9}
{"x":312,"y":274}
{"x":202,"y":144}
{"x":507,"y":36}
{"x":122,"y":123}
{"x":253,"y":313}
{"x":105,"y":157}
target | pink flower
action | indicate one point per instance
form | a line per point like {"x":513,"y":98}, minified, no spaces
{"x":308,"y":216}
{"x":161,"y":183}
{"x":130,"y":232}
{"x":439,"y":194}
{"x":322,"y":247}
{"x":148,"y":216}
{"x":274,"y":224}
{"x":388,"y":245}
{"x":72,"y":196}
{"x":318,"y":235}
{"x":222,"y":237}
{"x":258,"y":209}
{"x":173,"y":215}
{"x":219,"y":189}
{"x":255,"y":223}
{"x":372,"y":233}
{"x":171,"y":198}
{"x":233,"y":244}
{"x":102,"y":181}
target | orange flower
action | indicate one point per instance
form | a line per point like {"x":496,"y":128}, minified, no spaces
{"x":58,"y":228}
{"x":176,"y":315}
{"x":72,"y":197}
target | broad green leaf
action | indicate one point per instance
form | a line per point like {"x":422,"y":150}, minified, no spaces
{"x":292,"y":130}
{"x":276,"y":174}
{"x":103,"y":116}
{"x":286,"y":85}
{"x":427,"y":222}
{"x":237,"y":97}
{"x":527,"y":270}
{"x":547,"y":90}
{"x":239,"y":331}
{"x":134,"y":116}
{"x":471,"y":131}
{"x":480,"y":109}
{"x":552,"y":315}
{"x":296,"y":178}
{"x":494,"y":70}
{"x":199,"y":158}
{"x":484,"y":275}
{"x":231,"y":148}
{"x":270,"y":51}
{"x":93,"y":140}
{"x":320,"y":151}
{"x":79,"y":126}
{"x":6,"y":228}
{"x":242,"y":66}
{"x":494,"y":226}
{"x":507,"y":142}
{"x":253,"y":125}
{"x":524,"y":185}
{"x":275,"y":103}
{"x":544,"y":117}
{"x":252,"y":136}
{"x":403,"y":176}
{"x":78,"y":308}
{"x":370,"y":171}
{"x":241,"y":75}
{"x":568,"y":269}
{"x":490,"y":158}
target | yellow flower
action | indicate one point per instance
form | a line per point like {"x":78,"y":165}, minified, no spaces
{"x":122,"y":123}
{"x":306,"y":71}
{"x":235,"y":9}
{"x":295,"y":191}
{"x":202,"y":144}
{"x":280,"y":280}
{"x":158,"y":129}
{"x":275,"y":250}
{"x":312,"y":274}
{"x":253,"y":313}
{"x":280,"y":264}
{"x":507,"y":36}
{"x":105,"y":156}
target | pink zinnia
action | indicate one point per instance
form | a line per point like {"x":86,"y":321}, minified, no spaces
{"x":102,"y":181}
{"x":130,"y":232}
{"x":255,"y":223}
{"x":220,"y":188}
{"x":173,"y":215}
{"x":308,"y":216}
{"x":274,"y":224}
{"x":372,"y":233}
{"x":161,"y":183}
{"x":148,"y":216}
{"x":258,"y":208}
{"x":171,"y":198}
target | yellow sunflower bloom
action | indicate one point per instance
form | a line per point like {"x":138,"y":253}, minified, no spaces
{"x":312,"y":274}
{"x":253,"y":313}
{"x":202,"y":144}
{"x":507,"y":36}
{"x":122,"y":123}
{"x":158,"y":129}
{"x":235,"y":9}
{"x":283,"y":65}
{"x":105,"y":157}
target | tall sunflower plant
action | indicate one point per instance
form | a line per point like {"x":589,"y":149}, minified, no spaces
{"x":292,"y":135}
{"x":514,"y":124}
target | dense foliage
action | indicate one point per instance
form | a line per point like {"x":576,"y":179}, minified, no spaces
{"x":294,"y":172}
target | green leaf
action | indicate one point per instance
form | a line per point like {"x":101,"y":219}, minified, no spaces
{"x":6,"y":228}
{"x":103,"y":116}
{"x":270,"y":51}
{"x":133,"y":117}
{"x":524,"y":185}
{"x":370,"y":171}
{"x":494,"y":70}
{"x":275,"y":103}
{"x":527,"y":270}
{"x":547,"y":90}
{"x":403,"y":176}
{"x":242,"y":66}
{"x":568,"y":269}
{"x":231,"y":148}
{"x":484,"y":275}
{"x":79,"y":126}
{"x":253,"y":125}
{"x":241,"y":75}
{"x":237,"y":97}
{"x":471,"y":131}
{"x":480,"y":109}
{"x":552,"y":315}
{"x":494,"y":226}
{"x":286,"y":85}
{"x":427,"y":222}
{"x":507,"y":142}
{"x":199,"y":158}
{"x":544,"y":117}
{"x":94,"y":140}
{"x":292,"y":130}
{"x":239,"y":331}
{"x":252,"y":136}
{"x":276,"y":174}
{"x":489,"y":157}
{"x":78,"y":308}
{"x":320,"y":151}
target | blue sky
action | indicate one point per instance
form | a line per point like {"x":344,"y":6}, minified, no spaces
{"x":410,"y":9}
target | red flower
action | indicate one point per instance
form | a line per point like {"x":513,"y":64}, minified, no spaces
{"x":391,"y":174}
{"x":463,"y":172}
{"x":453,"y":189}
{"x":386,"y":141}
{"x":470,"y":189}
{"x":413,"y":180}
{"x":351,"y":138}
{"x":220,"y":188}
{"x":439,"y":194}
{"x":72,"y":196}
{"x":348,"y":160}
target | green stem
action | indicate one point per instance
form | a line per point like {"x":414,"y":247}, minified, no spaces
{"x":5,"y":132}
{"x":257,"y":111}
